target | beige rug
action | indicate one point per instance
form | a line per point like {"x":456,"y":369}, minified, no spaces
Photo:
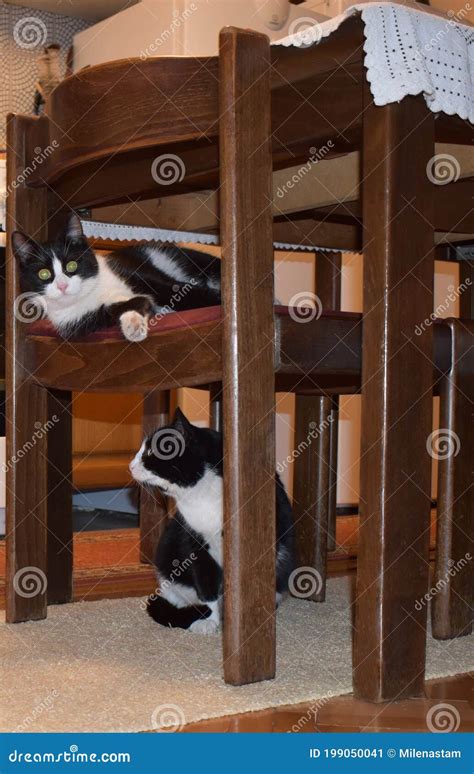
{"x":106,"y":666}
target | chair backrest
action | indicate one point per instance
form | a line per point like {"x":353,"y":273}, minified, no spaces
{"x":104,"y":126}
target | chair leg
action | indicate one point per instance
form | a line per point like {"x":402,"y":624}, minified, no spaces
{"x":59,"y":480}
{"x":26,"y":408}
{"x":247,"y":357}
{"x":215,"y":397}
{"x":311,"y":489}
{"x":466,"y":299}
{"x":153,"y":505}
{"x":333,"y":449}
{"x":453,"y":594}
{"x":315,"y":471}
{"x":328,"y":287}
{"x":26,"y":511}
{"x":397,"y":381}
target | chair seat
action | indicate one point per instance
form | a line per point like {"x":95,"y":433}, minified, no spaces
{"x":184,"y":349}
{"x":173,"y":321}
{"x":316,"y":356}
{"x":158,"y":324}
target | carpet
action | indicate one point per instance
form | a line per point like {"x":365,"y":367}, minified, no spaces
{"x":106,"y":666}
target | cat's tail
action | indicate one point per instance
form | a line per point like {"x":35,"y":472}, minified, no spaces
{"x":166,"y":614}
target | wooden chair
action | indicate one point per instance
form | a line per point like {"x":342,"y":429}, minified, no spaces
{"x":453,"y":583}
{"x":203,"y":347}
{"x":315,"y":476}
{"x":103,"y":154}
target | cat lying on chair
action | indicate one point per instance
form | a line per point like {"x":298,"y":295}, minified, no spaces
{"x":81,"y":292}
{"x":185,"y":462}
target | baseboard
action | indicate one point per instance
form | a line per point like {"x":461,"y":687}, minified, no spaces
{"x":107,"y":564}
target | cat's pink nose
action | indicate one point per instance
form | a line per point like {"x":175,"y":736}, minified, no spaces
{"x":62,"y":285}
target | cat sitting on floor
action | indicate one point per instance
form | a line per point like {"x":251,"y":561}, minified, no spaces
{"x":80,"y":291}
{"x":185,"y":462}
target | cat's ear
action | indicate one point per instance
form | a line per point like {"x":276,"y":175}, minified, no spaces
{"x":74,"y":227}
{"x":23,"y":247}
{"x":181,"y":423}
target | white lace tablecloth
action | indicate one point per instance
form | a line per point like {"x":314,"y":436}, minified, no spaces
{"x":120,"y":232}
{"x":408,"y":51}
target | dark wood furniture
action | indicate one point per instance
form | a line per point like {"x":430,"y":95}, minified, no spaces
{"x":453,"y":600}
{"x":315,"y":473}
{"x":315,"y":476}
{"x":103,"y":156}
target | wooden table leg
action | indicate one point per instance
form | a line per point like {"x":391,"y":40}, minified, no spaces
{"x":397,"y":375}
{"x":453,"y":444}
{"x":26,"y":409}
{"x":60,"y":532}
{"x":153,"y":505}
{"x":248,"y":357}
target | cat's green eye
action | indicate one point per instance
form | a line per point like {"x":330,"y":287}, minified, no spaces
{"x":71,"y":267}
{"x":44,"y":274}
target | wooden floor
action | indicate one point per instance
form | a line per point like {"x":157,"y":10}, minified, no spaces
{"x":347,"y":714}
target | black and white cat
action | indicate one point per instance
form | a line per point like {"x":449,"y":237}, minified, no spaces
{"x":185,"y":462}
{"x":80,"y":291}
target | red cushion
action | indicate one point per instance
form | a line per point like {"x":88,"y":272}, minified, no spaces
{"x":160,"y":323}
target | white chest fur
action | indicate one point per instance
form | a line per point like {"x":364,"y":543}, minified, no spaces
{"x":104,"y":289}
{"x":202,"y":508}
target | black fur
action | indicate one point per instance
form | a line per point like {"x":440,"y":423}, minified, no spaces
{"x":166,"y":614}
{"x":154,"y":290}
{"x":183,"y":556}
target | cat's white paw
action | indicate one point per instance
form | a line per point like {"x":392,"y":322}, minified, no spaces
{"x":134,"y":326}
{"x":204,"y":626}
